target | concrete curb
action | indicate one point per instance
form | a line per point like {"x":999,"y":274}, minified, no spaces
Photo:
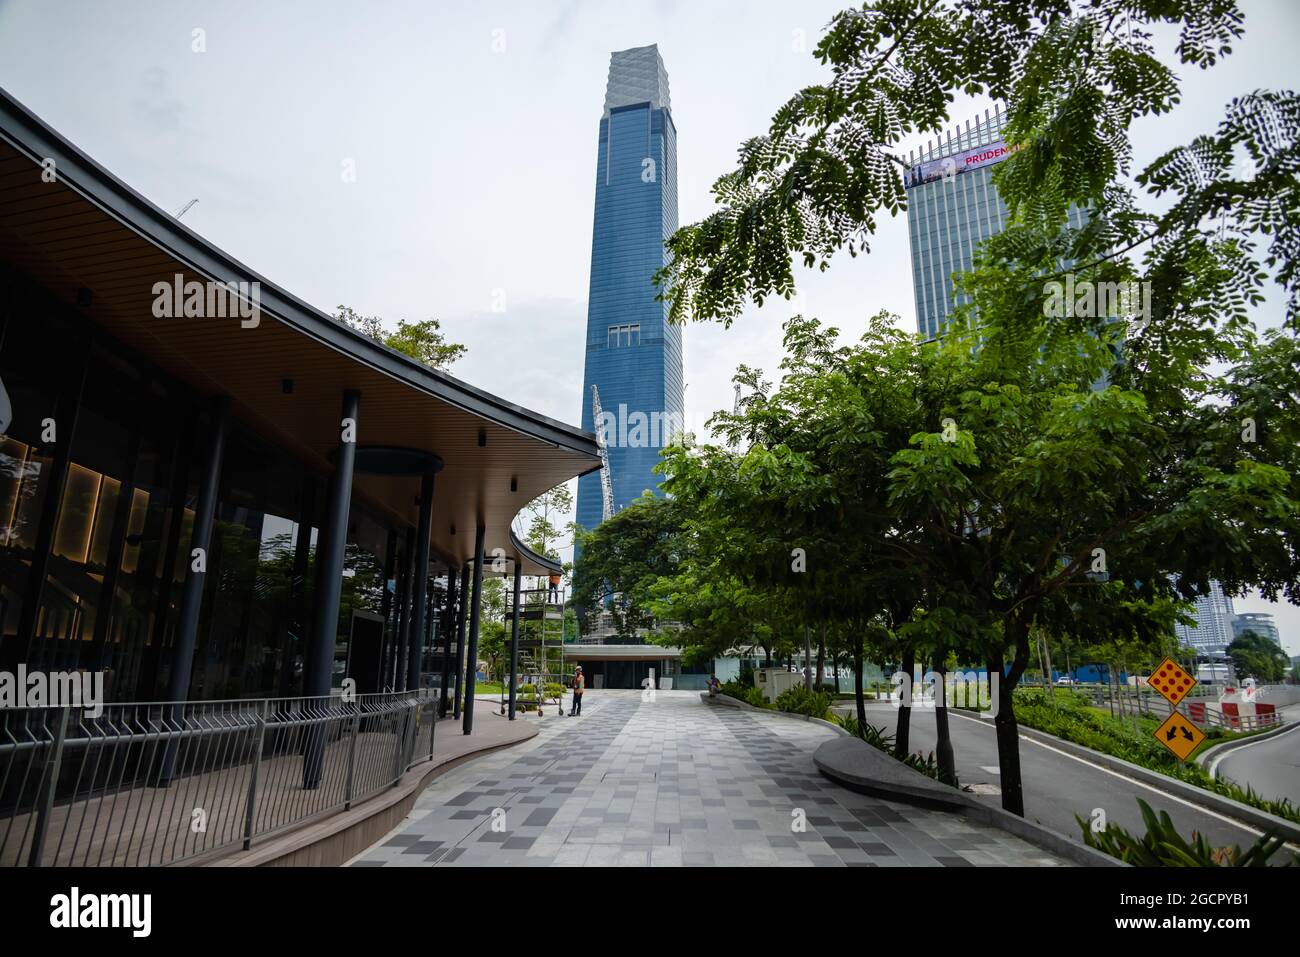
{"x":1218,"y":750}
{"x":860,"y":767}
{"x":727,"y":701}
{"x":1189,"y":792}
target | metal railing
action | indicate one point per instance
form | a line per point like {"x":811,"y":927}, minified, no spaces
{"x":1198,"y":713}
{"x":164,"y":782}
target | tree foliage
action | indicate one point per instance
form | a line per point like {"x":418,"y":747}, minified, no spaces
{"x":1035,"y":470}
{"x":1075,"y":76}
{"x":422,"y":341}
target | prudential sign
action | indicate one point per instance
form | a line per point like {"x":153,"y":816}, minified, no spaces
{"x":963,"y":162}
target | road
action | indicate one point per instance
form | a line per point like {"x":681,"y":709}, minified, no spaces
{"x":1058,"y":785}
{"x":1271,"y":766}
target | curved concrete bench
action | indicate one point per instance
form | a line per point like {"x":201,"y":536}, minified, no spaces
{"x":856,"y":765}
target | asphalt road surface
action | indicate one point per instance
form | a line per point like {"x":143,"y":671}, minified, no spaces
{"x":1058,"y":785}
{"x":1271,"y":766}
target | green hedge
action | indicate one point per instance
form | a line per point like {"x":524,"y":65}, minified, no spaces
{"x":746,"y":693}
{"x":799,"y":700}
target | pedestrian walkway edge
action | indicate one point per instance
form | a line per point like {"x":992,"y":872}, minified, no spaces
{"x":856,"y":765}
{"x":338,"y":837}
{"x":726,"y":701}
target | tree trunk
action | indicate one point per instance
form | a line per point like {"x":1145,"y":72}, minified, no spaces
{"x":905,"y":707}
{"x":1008,"y":732}
{"x":1049,"y":692}
{"x":858,"y":697}
{"x":943,"y":748}
{"x":821,"y":655}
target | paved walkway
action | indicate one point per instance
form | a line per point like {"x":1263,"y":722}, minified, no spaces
{"x":674,"y":781}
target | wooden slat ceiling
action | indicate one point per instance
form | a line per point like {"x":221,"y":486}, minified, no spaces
{"x":64,"y":240}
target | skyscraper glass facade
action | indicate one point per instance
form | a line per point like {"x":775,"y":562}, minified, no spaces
{"x":953,"y":206}
{"x":1259,"y":622}
{"x":1212,"y":632}
{"x":633,"y":356}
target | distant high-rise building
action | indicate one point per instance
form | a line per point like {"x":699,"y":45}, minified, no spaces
{"x":633,"y":355}
{"x":1260,"y":622}
{"x":1212,"y":632}
{"x":953,"y":206}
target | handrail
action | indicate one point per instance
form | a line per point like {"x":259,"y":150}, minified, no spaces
{"x":161,"y":782}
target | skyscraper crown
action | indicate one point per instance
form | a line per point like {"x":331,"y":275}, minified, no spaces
{"x":637,"y":76}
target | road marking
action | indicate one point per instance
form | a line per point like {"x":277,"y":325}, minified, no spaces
{"x":1228,"y":752}
{"x":991,"y":769}
{"x":1142,"y":784}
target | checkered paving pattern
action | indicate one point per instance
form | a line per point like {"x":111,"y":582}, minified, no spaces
{"x":675,"y":781}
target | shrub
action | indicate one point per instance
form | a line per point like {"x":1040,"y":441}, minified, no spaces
{"x":1163,"y":846}
{"x":799,"y":700}
{"x":554,"y":690}
{"x":746,"y":693}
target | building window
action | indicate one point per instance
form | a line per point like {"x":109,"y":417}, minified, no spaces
{"x":626,"y":335}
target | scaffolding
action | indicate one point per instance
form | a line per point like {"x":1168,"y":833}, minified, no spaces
{"x":541,"y":650}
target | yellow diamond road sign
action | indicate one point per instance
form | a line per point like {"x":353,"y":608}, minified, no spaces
{"x":1172,"y":680}
{"x":1179,"y":735}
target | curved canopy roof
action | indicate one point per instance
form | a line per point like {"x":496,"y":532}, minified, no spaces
{"x":88,"y":229}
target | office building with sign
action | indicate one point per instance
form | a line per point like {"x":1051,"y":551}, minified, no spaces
{"x":953,"y":206}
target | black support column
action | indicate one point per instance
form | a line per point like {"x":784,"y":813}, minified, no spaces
{"x":460,"y":639}
{"x":330,"y":550}
{"x":514,"y":638}
{"x":187,"y":621}
{"x":421,"y":585}
{"x":449,"y":633}
{"x":402,"y":633}
{"x":475,"y":608}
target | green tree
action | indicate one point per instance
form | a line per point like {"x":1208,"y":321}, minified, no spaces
{"x":623,"y":558}
{"x":1062,"y":467}
{"x":1076,"y":75}
{"x":423,"y":341}
{"x":1258,"y":656}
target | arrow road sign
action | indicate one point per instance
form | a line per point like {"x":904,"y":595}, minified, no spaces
{"x":1179,"y":735}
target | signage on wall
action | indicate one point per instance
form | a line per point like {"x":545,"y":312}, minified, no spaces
{"x":949,"y":166}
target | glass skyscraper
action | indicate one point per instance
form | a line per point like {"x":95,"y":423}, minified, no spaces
{"x":633,"y":356}
{"x":953,"y":206}
{"x":1212,"y":632}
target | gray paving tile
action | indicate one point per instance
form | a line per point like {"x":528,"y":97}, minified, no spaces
{"x":670,"y":783}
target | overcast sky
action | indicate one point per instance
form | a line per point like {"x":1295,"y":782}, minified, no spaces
{"x":472,"y":131}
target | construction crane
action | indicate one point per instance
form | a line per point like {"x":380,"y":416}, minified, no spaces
{"x":606,"y":487}
{"x":186,"y":208}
